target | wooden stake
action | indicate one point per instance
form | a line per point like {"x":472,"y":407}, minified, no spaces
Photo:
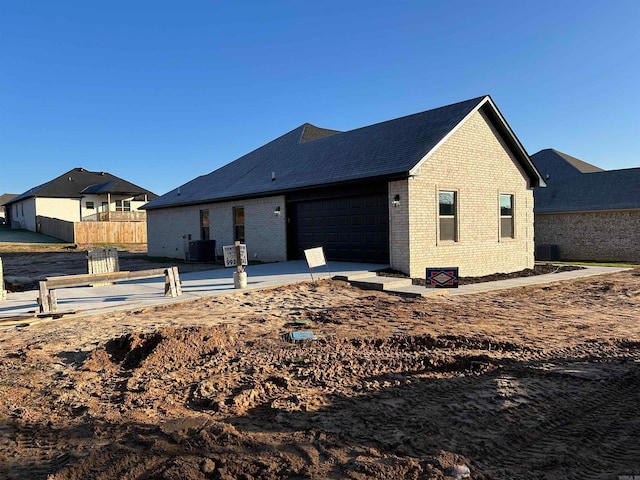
{"x":239,"y":257}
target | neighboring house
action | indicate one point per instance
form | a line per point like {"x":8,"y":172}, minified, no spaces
{"x":447,"y":187}
{"x":78,"y":195}
{"x":586,"y":213}
{"x":4,"y":198}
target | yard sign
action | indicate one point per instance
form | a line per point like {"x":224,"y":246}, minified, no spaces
{"x":229,"y":252}
{"x":315,"y":258}
{"x":442,"y":277}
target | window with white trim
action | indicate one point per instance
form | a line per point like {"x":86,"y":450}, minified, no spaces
{"x":506,"y":216}
{"x":448,"y":216}
{"x":123,"y":206}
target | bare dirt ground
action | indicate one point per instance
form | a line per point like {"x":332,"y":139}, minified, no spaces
{"x":529,"y":383}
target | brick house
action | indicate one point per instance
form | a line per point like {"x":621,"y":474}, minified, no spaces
{"x":586,"y":213}
{"x":451,"y":186}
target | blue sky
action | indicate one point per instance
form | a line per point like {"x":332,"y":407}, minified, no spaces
{"x":159,"y":92}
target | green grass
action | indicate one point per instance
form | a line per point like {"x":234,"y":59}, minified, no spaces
{"x":596,"y":264}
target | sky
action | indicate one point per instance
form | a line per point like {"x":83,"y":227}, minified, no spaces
{"x":160,"y":92}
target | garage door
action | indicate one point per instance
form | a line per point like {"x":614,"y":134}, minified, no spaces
{"x":352,"y":229}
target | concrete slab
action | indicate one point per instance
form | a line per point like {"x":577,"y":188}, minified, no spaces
{"x":512,"y":283}
{"x":7,"y":235}
{"x":417,"y":291}
{"x":149,"y":292}
{"x":374,"y":282}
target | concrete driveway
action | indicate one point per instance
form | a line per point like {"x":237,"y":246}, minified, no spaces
{"x":7,"y":235}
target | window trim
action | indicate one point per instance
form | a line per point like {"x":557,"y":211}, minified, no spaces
{"x":237,"y":226}
{"x":205,"y":230}
{"x":455,"y":216}
{"x":124,"y":205}
{"x":502,"y":217}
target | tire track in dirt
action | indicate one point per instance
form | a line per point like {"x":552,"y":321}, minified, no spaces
{"x":593,"y":412}
{"x":40,"y":452}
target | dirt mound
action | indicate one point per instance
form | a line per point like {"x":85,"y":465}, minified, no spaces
{"x":168,"y":348}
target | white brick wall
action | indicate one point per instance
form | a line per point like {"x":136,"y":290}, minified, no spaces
{"x":265,"y":232}
{"x":478,"y":166}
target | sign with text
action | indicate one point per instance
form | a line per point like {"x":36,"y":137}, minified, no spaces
{"x":229,"y":252}
{"x":442,"y":277}
{"x":315,"y":257}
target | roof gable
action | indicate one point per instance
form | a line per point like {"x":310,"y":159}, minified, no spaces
{"x":7,"y":197}
{"x":555,"y":165}
{"x":494,"y":115}
{"x":309,"y":156}
{"x":311,"y":132}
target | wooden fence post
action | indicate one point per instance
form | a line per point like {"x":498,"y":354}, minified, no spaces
{"x":3,"y":292}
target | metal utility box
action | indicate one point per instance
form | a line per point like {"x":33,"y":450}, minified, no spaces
{"x":202,"y":251}
{"x":547,"y":252}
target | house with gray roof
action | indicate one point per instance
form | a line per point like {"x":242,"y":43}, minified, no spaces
{"x":585,"y":212}
{"x":5,"y":197}
{"x":452,"y":186}
{"x":76,"y":196}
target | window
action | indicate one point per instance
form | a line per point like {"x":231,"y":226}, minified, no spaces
{"x":238,"y":224}
{"x":123,"y":206}
{"x":506,"y":216}
{"x":204,"y":225}
{"x":448,"y":216}
{"x":90,"y":206}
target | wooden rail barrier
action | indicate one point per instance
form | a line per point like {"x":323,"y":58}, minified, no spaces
{"x":49,"y":303}
{"x":3,"y":292}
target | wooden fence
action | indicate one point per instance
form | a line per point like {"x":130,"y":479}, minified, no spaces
{"x":93,"y":232}
{"x":56,"y":228}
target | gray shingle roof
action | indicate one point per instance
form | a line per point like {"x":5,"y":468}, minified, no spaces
{"x":6,"y":197}
{"x":77,"y":182}
{"x":309,"y":156}
{"x":558,"y":165}
{"x":605,"y":190}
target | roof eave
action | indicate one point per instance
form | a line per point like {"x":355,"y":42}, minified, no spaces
{"x":284,"y":191}
{"x":534,"y":175}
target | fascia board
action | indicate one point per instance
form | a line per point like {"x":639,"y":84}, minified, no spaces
{"x":516,"y":141}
